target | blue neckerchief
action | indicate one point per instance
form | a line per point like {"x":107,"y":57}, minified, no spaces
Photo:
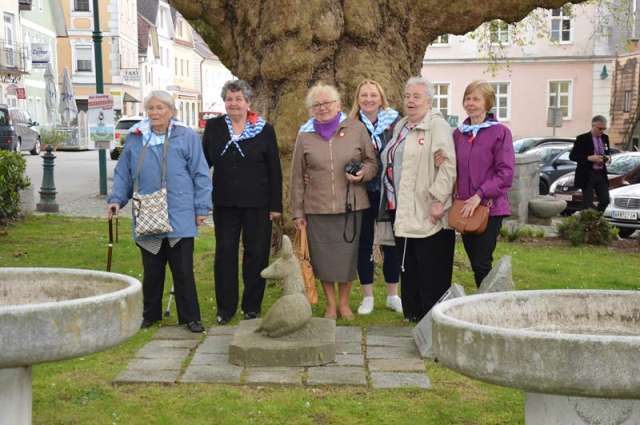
{"x":148,"y":136}
{"x":250,"y":131}
{"x":475,"y":128}
{"x":386,"y":117}
{"x":308,"y":126}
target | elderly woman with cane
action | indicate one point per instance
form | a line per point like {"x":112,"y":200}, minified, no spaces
{"x":242,"y":149}
{"x":162,"y":159}
{"x":335,"y":155}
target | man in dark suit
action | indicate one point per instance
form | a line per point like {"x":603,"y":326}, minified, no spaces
{"x":591,"y":152}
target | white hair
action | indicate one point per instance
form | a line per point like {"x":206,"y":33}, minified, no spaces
{"x":161,"y":96}
{"x":420,"y":81}
{"x":321,"y":88}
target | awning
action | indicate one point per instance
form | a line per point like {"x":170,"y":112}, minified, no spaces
{"x":130,"y":99}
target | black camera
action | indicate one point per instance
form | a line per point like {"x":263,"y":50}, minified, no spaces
{"x":353,"y":167}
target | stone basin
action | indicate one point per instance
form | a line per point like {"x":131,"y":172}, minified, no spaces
{"x":583,"y":345}
{"x":49,"y":314}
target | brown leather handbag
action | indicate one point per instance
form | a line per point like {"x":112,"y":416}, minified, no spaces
{"x":302,"y":252}
{"x":475,"y":224}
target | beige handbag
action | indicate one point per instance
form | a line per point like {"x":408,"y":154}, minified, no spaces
{"x":151,"y":211}
{"x":302,"y":252}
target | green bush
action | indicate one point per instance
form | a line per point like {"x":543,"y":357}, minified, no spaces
{"x":12,"y":179}
{"x":52,"y":136}
{"x":586,"y":227}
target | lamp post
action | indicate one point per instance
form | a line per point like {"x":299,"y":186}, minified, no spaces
{"x":97,"y":48}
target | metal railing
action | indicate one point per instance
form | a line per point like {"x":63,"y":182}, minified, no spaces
{"x":13,"y":56}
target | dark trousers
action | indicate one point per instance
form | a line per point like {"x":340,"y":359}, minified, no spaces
{"x":180,"y":259}
{"x":599,"y":182}
{"x":391,"y":263}
{"x":480,"y":248}
{"x":255,"y":226}
{"x":428,"y":267}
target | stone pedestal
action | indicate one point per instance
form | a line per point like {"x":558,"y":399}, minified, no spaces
{"x":526,"y":182}
{"x":313,"y":345}
{"x":15,"y":396}
{"x":545,"y":409}
{"x":27,"y":200}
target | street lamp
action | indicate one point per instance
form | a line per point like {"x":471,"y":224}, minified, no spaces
{"x":97,"y":48}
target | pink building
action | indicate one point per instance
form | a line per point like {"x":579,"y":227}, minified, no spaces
{"x":569,"y":68}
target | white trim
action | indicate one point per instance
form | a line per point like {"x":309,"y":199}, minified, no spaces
{"x":81,"y":76}
{"x":508,"y":83}
{"x":500,"y":43}
{"x":448,"y":97}
{"x":447,"y":44}
{"x":39,"y":28}
{"x":561,"y":18}
{"x":570,"y":100}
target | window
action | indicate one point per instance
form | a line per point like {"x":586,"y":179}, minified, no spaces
{"x":187,"y":66}
{"x":499,"y":32}
{"x":441,"y":98}
{"x":626,"y":107}
{"x":162,"y":18}
{"x":83,"y":59}
{"x":501,"y":108}
{"x":441,"y":40}
{"x":560,"y":97}
{"x":181,"y":67}
{"x":175,"y":66}
{"x":81,"y":6}
{"x":9,"y":40}
{"x":187,"y":114}
{"x":193,"y":114}
{"x":561,"y":25}
{"x":179,"y":28}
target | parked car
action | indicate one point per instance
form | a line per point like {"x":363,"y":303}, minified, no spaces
{"x":555,"y":163}
{"x":623,"y":170}
{"x":123,"y":126}
{"x":528,"y":143}
{"x":18,"y":132}
{"x":624,"y":209}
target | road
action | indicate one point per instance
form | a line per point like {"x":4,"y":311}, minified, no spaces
{"x":77,"y":184}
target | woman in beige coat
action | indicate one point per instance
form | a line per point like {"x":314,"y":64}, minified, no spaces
{"x":417,"y":194}
{"x":334,"y":155}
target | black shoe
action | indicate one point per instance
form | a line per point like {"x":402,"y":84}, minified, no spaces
{"x":146,"y":323}
{"x":195,"y":327}
{"x":250,"y":315}
{"x":221,"y":320}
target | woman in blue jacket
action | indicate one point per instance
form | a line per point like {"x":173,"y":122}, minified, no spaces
{"x":188,"y":198}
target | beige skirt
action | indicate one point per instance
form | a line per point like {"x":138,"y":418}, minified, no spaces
{"x":333,"y":259}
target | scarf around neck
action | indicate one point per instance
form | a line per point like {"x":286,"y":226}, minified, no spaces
{"x":148,"y":136}
{"x":475,"y":128}
{"x":386,"y":117}
{"x":252,"y":127}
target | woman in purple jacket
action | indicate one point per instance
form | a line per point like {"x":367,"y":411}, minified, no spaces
{"x":485,"y":162}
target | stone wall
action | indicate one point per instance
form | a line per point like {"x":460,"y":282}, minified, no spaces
{"x":526,"y":182}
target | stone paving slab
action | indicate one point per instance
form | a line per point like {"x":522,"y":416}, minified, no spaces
{"x":336,"y":375}
{"x":145,"y":376}
{"x":169,"y":363}
{"x":219,"y":374}
{"x":392,"y":352}
{"x":153,"y":352}
{"x":349,"y":360}
{"x":176,"y":332}
{"x":348,"y":348}
{"x":217,"y":344}
{"x":210,"y":359}
{"x":274,"y":375}
{"x":399,"y":380}
{"x":389,"y":331}
{"x":173,"y":343}
{"x":348,"y":334}
{"x":222,"y":330}
{"x":392,"y":341}
{"x":396,"y":365}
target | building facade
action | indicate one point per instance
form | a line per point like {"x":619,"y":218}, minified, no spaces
{"x":568,"y":68}
{"x":15,"y":62}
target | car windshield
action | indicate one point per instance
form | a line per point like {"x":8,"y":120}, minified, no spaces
{"x":622,"y":164}
{"x":3,"y":117}
{"x":547,"y":153}
{"x":126,"y":124}
{"x":523,"y":145}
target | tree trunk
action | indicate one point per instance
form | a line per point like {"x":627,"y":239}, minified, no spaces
{"x":282,"y":47}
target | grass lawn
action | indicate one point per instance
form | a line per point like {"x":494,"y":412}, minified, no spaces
{"x":79,"y":391}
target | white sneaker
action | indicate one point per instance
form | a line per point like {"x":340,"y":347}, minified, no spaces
{"x":366,"y":307}
{"x":394,"y":303}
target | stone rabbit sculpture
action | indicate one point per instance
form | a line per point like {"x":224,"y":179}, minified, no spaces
{"x":292,"y":311}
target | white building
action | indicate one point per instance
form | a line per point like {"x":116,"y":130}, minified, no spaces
{"x":14,"y":56}
{"x":211,"y":76}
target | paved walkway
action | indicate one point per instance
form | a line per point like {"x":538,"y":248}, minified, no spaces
{"x":374,"y":357}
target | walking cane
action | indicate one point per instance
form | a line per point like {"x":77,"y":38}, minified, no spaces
{"x":110,"y":246}
{"x":167,"y":312}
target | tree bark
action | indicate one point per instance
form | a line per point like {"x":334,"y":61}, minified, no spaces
{"x":282,"y":47}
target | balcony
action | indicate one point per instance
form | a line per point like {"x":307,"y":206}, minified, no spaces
{"x":14,"y":58}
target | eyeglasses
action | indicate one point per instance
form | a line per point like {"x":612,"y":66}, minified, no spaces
{"x":317,"y":106}
{"x":600,"y":128}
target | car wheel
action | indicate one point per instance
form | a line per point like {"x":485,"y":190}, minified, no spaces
{"x":36,"y":148}
{"x":543,"y":188}
{"x":18,"y":147}
{"x":625,"y":232}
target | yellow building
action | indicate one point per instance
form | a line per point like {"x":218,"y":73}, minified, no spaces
{"x":119,"y":27}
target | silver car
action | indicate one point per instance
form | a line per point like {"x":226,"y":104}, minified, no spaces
{"x":623,"y":210}
{"x":27,"y":132}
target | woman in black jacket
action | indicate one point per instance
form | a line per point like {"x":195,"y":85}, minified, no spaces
{"x":247,"y":179}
